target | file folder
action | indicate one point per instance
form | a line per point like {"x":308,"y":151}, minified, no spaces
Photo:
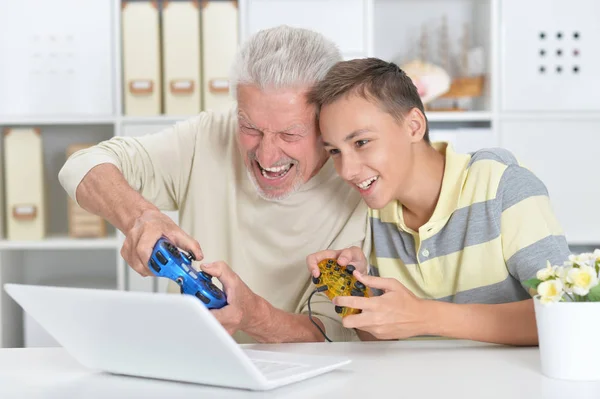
{"x":141,"y":58}
{"x":24,"y":184}
{"x":219,"y":45}
{"x":181,"y":57}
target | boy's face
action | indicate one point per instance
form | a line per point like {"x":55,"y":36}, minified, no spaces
{"x":371,"y":150}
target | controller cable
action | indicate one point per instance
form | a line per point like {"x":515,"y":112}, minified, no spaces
{"x":319,"y":289}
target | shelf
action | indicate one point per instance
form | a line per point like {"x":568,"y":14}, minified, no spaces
{"x":562,"y":115}
{"x":468,"y":116}
{"x":56,"y":120}
{"x":432,"y":116}
{"x":149,"y":120}
{"x":61,"y":243}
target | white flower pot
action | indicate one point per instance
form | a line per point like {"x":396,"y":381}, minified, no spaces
{"x":569,"y":335}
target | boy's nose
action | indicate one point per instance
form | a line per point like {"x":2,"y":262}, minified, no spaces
{"x":349,"y":170}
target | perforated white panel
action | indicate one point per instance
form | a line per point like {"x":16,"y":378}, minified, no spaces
{"x":550,"y":58}
{"x":56,"y":58}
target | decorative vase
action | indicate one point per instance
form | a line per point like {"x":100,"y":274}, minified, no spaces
{"x":569,"y":339}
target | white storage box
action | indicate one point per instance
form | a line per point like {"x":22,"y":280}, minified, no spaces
{"x":24,"y":184}
{"x":181,"y":57}
{"x":141,"y":59}
{"x":219,"y":44}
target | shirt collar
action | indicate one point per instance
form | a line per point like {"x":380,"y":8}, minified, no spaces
{"x":455,"y":173}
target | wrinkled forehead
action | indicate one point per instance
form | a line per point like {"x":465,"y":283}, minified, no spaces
{"x":275,"y":109}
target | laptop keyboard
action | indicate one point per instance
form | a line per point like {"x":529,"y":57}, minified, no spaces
{"x":269,"y":367}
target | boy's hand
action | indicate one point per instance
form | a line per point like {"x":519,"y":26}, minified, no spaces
{"x":349,"y":256}
{"x":396,"y":314}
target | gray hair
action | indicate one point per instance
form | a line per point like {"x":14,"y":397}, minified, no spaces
{"x":283,"y":57}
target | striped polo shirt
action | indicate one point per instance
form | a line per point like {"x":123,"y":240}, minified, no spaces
{"x":493,"y":228}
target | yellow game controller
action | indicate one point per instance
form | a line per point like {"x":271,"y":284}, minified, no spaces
{"x":337,"y":280}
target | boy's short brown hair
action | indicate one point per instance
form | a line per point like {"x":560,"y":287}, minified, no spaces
{"x":374,"y":80}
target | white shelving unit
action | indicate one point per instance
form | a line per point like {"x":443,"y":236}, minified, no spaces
{"x":59,"y":243}
{"x":387,"y":29}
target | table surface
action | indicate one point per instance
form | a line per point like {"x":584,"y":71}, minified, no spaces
{"x":406,"y":369}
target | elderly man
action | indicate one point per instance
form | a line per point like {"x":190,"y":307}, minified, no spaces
{"x":254,"y":189}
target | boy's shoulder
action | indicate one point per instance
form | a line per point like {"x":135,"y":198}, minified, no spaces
{"x":501,"y":156}
{"x":504,"y":171}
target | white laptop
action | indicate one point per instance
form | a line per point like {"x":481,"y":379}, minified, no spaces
{"x":164,"y":336}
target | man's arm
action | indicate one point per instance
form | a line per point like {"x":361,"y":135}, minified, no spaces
{"x":276,"y":326}
{"x":126,"y":181}
{"x":105,"y":192}
{"x":153,"y":165}
{"x":507,"y":323}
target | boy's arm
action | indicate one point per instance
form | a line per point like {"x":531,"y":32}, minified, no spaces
{"x":506,"y":323}
{"x":399,"y":314}
{"x":531,"y":236}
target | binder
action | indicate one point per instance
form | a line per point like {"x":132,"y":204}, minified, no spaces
{"x":219,"y":45}
{"x":24,"y":184}
{"x":2,"y":179}
{"x":83,"y":224}
{"x":181,"y":57}
{"x":141,"y":58}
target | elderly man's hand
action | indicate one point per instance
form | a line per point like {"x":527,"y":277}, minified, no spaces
{"x":348,"y":256}
{"x":244,"y":309}
{"x":141,"y":238}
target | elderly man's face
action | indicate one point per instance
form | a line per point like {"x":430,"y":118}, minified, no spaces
{"x":279,"y":140}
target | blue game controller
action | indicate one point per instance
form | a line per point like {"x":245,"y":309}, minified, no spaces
{"x":168,"y":261}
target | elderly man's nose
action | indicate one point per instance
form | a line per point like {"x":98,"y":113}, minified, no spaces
{"x":267,"y":153}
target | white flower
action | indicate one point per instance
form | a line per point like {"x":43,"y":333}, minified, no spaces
{"x":545,"y":274}
{"x":584,"y":259}
{"x":561,"y":272}
{"x":550,"y":291}
{"x":583,"y":279}
{"x":596,"y":256}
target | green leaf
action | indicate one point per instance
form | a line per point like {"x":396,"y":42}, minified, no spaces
{"x":532,"y":283}
{"x":594,"y":294}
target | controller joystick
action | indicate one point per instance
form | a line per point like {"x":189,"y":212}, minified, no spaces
{"x":337,"y":280}
{"x":168,"y":261}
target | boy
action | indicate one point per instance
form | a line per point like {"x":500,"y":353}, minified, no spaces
{"x":453,"y":235}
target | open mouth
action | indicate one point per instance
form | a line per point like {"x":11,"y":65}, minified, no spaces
{"x":365,"y":185}
{"x":275,"y":172}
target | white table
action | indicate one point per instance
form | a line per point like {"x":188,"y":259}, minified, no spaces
{"x":410,"y":369}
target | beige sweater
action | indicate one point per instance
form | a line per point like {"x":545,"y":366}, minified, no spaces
{"x":195,"y":167}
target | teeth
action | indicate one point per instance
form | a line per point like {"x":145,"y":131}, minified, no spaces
{"x":278,"y":168}
{"x":367,"y":183}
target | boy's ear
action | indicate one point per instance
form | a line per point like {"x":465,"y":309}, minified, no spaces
{"x":416,"y":123}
